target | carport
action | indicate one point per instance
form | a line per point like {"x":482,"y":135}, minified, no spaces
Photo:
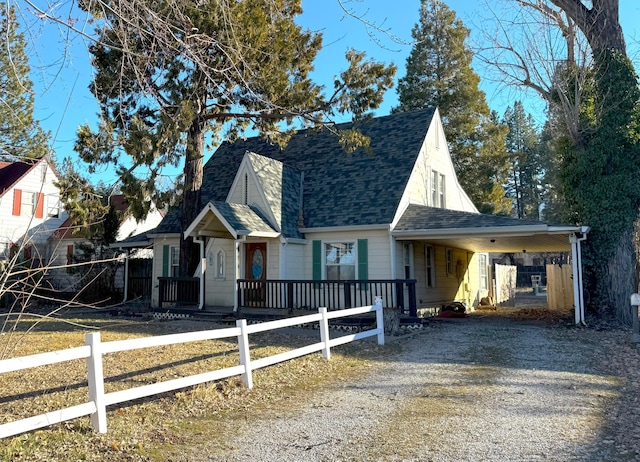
{"x":495,"y":234}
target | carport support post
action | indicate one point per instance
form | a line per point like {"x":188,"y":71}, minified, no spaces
{"x":635,"y":333}
{"x":576,"y":263}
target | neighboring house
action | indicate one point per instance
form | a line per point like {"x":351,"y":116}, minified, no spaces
{"x":68,"y":244}
{"x":30,"y":208}
{"x":393,"y":211}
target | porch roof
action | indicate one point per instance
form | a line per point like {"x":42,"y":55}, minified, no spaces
{"x":483,"y":233}
{"x":229,"y":221}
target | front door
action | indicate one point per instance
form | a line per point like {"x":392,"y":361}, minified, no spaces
{"x":255,"y":269}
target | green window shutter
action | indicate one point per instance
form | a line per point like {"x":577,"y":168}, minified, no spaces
{"x":363,"y":261}
{"x":165,"y":260}
{"x":316,"y":260}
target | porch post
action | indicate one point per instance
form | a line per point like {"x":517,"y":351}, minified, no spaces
{"x":576,"y":262}
{"x":236,"y":256}
{"x":203,"y":268}
{"x":126,"y":276}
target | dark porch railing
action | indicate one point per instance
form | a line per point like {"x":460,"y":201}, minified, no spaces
{"x":299,"y":294}
{"x":181,"y":291}
{"x":139,"y":286}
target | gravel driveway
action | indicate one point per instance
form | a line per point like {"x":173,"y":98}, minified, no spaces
{"x":476,"y":389}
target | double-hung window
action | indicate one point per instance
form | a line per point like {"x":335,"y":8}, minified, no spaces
{"x":340,"y":261}
{"x":53,"y":206}
{"x":438,"y":189}
{"x":175,"y":260}
{"x":429,"y":257}
{"x":484,"y":273}
{"x":28,"y":205}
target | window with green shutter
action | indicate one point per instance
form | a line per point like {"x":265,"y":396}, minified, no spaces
{"x":165,"y":260}
{"x":363,"y":261}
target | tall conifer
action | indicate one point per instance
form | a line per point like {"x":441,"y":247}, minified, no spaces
{"x":439,"y":73}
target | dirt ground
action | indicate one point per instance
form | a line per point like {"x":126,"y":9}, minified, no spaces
{"x":511,"y":384}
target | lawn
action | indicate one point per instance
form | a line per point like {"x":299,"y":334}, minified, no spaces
{"x":152,"y":428}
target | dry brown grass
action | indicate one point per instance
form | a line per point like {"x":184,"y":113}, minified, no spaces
{"x":151,"y":428}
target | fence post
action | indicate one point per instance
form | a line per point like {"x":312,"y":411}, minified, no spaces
{"x":245,"y":357}
{"x":96,"y":382}
{"x":635,"y":332}
{"x":379,"y":320}
{"x":324,"y":333}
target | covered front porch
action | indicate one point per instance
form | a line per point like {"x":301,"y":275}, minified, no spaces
{"x":246,"y":264}
{"x":285,"y":296}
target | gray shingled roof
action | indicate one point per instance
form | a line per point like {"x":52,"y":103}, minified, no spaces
{"x":420,"y":217}
{"x":339,"y":189}
{"x":281,"y":185}
{"x":243,"y":217}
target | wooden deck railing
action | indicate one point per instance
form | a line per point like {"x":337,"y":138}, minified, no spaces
{"x":181,"y":291}
{"x":139,"y":286}
{"x":335,"y":295}
{"x":290,"y":294}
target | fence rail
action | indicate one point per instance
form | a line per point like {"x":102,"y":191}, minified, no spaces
{"x":94,"y":350}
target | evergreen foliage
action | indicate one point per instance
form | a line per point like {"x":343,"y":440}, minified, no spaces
{"x":92,"y":216}
{"x":600,"y":175}
{"x":20,"y":135}
{"x":524,"y":181}
{"x":172,"y":77}
{"x":439,"y":73}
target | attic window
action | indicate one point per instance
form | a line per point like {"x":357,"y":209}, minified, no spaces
{"x":438,"y":189}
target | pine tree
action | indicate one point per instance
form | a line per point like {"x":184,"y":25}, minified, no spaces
{"x":173,"y":76}
{"x":439,"y":73}
{"x":20,"y":135}
{"x":525,"y":184}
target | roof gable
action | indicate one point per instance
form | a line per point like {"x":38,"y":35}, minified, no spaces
{"x":12,"y":172}
{"x":339,"y":189}
{"x":280,"y":186}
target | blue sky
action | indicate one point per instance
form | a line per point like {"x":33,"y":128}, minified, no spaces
{"x":61,"y":70}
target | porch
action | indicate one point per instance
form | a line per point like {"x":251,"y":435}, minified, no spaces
{"x":285,"y":296}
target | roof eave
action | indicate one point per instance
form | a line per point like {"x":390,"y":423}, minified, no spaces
{"x":511,"y":231}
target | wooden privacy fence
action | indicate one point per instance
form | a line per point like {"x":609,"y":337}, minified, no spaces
{"x":94,"y":350}
{"x":559,"y":287}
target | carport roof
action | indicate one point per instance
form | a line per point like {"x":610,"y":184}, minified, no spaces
{"x":483,"y":233}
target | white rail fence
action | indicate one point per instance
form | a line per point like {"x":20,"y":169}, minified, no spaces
{"x":94,"y":350}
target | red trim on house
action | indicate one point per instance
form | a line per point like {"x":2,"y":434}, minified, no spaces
{"x":17,"y":201}
{"x":70,"y":254}
{"x":40,"y":205}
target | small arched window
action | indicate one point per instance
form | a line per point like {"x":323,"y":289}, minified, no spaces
{"x":220,"y":256}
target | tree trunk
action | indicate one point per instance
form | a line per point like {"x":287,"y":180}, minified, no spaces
{"x":600,"y":24}
{"x":193,"y":171}
{"x":620,"y":278}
